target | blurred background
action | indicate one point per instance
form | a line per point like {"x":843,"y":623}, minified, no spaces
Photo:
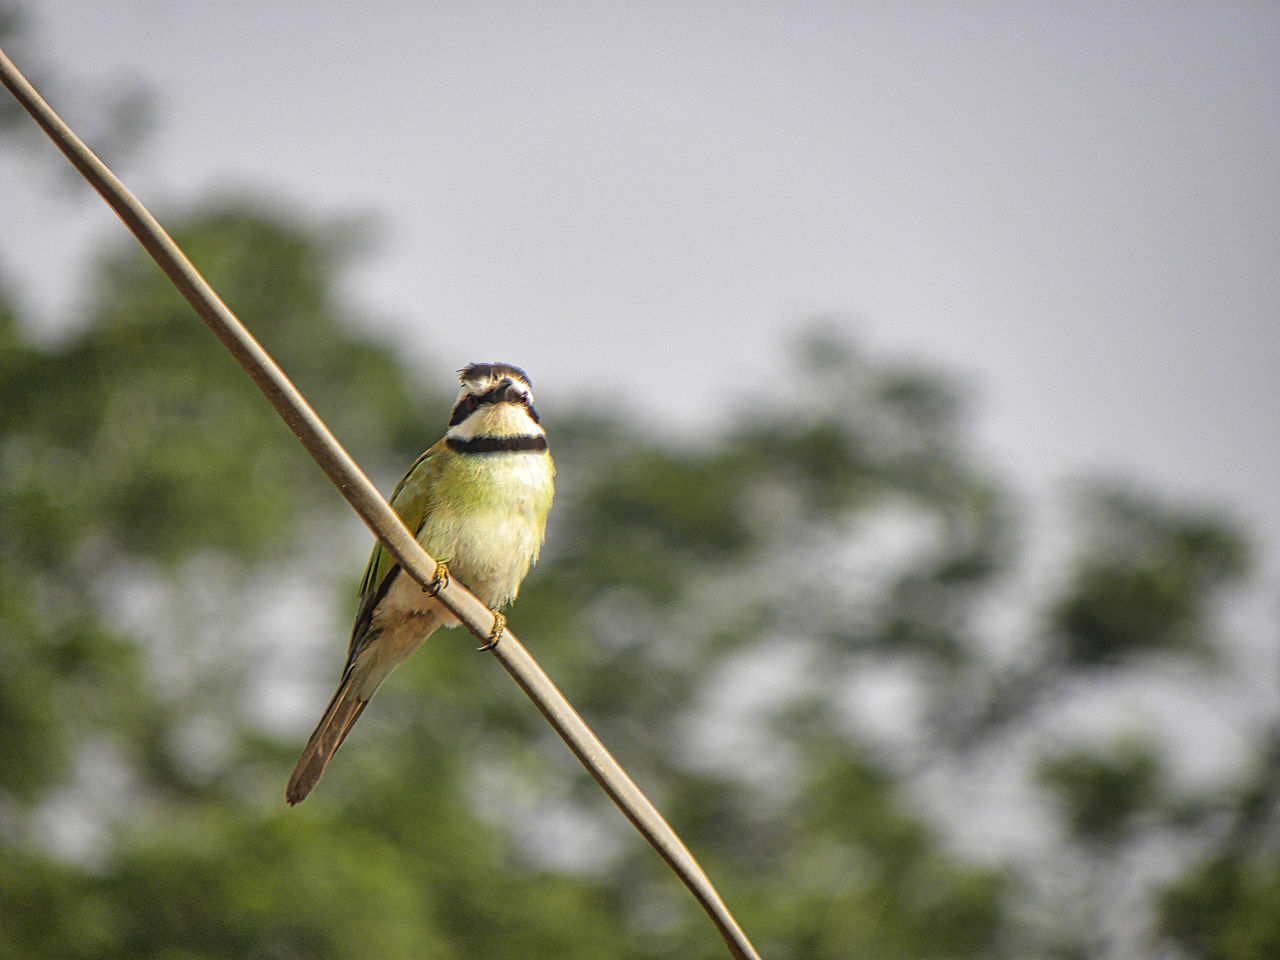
{"x":911,"y":375}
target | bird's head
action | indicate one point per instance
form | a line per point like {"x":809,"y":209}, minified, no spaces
{"x":496,"y":400}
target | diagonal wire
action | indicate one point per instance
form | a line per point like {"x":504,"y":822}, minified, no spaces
{"x":376,"y":512}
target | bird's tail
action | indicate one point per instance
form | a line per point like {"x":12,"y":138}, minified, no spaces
{"x":343,"y":711}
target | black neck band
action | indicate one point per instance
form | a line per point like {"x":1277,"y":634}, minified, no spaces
{"x":536,"y":444}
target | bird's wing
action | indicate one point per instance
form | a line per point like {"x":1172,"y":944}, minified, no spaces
{"x":412,"y":500}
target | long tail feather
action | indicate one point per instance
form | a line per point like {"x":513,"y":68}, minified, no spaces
{"x":343,"y":711}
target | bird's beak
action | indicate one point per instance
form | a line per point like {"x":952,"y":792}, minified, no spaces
{"x":507,"y":391}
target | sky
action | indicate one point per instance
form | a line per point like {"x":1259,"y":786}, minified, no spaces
{"x":1074,"y":208}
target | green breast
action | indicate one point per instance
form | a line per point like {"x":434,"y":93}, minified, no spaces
{"x":487,"y":518}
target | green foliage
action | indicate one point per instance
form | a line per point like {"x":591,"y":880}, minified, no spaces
{"x":688,"y":507}
{"x":153,"y":432}
{"x":1224,"y":907}
{"x":1226,"y":910}
{"x":137,"y":460}
{"x":1104,"y":794}
{"x":1144,"y":581}
{"x":869,"y":877}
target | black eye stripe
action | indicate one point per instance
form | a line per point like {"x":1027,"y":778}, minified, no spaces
{"x":467,"y":405}
{"x":463,"y":410}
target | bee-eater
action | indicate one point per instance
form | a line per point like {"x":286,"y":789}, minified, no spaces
{"x":477,"y":502}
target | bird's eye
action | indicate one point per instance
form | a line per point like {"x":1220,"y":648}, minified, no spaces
{"x":464,"y":408}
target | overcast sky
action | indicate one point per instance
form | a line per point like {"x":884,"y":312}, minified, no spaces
{"x":1074,"y":206}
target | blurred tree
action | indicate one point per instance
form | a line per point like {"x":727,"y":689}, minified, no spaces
{"x":136,"y":452}
{"x":720,"y":612}
{"x":1102,"y":795}
{"x":133,"y":454}
{"x":1224,"y":906}
{"x":1145,"y":581}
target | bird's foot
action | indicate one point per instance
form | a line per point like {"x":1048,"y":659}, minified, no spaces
{"x":499,"y":624}
{"x":439,"y":581}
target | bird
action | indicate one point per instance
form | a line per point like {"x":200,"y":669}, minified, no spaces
{"x":477,"y":501}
